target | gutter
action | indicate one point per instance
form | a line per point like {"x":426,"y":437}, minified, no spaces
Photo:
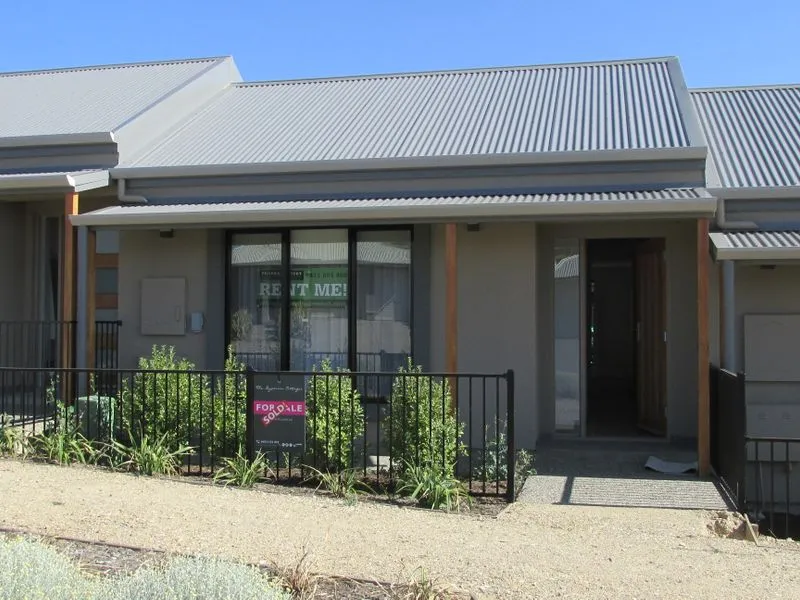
{"x":127,"y":198}
{"x":220,"y":214}
{"x":524,"y":159}
{"x":33,"y":181}
{"x":62,"y":139}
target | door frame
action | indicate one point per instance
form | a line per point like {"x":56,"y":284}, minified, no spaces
{"x":584,"y":338}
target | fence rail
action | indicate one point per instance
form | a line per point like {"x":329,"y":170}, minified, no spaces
{"x":463,"y":423}
{"x":40,"y":344}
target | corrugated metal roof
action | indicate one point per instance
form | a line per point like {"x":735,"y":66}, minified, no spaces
{"x":87,"y":99}
{"x":627,"y":105}
{"x":764,"y":245}
{"x":753,"y":134}
{"x":680,"y":200}
{"x":308,"y":253}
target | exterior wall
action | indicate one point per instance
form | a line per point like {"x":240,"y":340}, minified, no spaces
{"x":773,"y":408}
{"x":681,"y":256}
{"x":145,"y":254}
{"x":496,"y":310}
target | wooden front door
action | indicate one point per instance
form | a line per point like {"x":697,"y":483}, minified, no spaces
{"x":651,"y":343}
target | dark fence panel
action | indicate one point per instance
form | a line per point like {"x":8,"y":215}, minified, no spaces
{"x":728,"y":429}
{"x":459,"y":422}
{"x":773,"y":494}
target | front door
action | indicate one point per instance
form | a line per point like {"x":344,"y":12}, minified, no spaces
{"x":651,"y":336}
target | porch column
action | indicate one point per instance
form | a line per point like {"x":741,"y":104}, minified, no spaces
{"x":67,"y":299}
{"x":85,"y":293}
{"x":451,"y":306}
{"x":703,"y":392}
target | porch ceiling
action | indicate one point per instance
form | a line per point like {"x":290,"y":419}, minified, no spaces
{"x":52,"y":181}
{"x":761,"y":246}
{"x":668,"y":202}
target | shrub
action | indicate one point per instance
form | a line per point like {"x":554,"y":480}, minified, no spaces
{"x":175,"y":399}
{"x":13,"y":439}
{"x":335,"y":418}
{"x":242,"y":472}
{"x":432,"y":486}
{"x":345,"y":484}
{"x":62,"y":443}
{"x":149,"y":456}
{"x":191,"y":578}
{"x":422,"y":428}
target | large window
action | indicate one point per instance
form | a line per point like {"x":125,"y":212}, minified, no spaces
{"x":567,"y":321}
{"x":344,"y":293}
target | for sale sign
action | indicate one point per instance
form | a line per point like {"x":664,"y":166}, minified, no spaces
{"x":277,"y":413}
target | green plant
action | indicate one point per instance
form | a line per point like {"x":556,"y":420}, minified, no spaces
{"x":62,"y":442}
{"x":524,"y":467}
{"x":149,"y":456}
{"x":169,"y":396}
{"x":13,"y":439}
{"x":241,"y":324}
{"x":422,"y":428}
{"x":242,"y":472}
{"x":335,"y":417}
{"x":345,"y":484}
{"x":432,"y":486}
{"x":491,"y":463}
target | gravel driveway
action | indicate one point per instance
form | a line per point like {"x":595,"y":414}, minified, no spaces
{"x":527,"y":552}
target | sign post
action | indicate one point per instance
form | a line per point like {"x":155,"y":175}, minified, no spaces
{"x":276,"y":413}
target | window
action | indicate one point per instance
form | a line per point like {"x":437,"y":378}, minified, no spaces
{"x":345,"y":295}
{"x":567,"y":319}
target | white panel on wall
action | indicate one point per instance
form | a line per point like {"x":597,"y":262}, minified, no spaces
{"x":772,"y":347}
{"x":163,"y":306}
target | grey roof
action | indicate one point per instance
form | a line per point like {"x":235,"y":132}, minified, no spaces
{"x":670,"y":201}
{"x":756,"y":245}
{"x":88,"y":100}
{"x":753,"y":134}
{"x":320,"y":253}
{"x":53,"y":180}
{"x":612,"y":106}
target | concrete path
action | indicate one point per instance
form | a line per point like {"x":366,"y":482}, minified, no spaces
{"x":594,"y":474}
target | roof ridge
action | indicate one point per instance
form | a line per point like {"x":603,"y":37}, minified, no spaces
{"x":152,"y":63}
{"x":466,"y":71}
{"x":745,"y":88}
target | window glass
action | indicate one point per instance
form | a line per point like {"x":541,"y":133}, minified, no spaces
{"x":319,"y":298}
{"x":567,"y":320}
{"x":255,"y":300}
{"x":105,"y":281}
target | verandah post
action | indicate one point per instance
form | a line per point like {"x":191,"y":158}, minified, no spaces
{"x":451,"y":309}
{"x":703,"y":391}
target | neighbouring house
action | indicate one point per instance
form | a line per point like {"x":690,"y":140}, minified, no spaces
{"x":552,"y":219}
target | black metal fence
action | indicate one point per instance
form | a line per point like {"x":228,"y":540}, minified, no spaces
{"x":41,"y":344}
{"x":460,"y":422}
{"x":728,"y":429}
{"x":773,"y":490}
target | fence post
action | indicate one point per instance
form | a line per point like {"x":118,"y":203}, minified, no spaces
{"x":741,"y":417}
{"x":249,"y":414}
{"x":512,"y":451}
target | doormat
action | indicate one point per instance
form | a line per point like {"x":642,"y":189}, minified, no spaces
{"x":670,"y":468}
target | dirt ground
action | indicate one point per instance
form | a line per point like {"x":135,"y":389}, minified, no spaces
{"x":527,"y":551}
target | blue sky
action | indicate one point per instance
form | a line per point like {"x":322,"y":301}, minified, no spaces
{"x":718,"y":42}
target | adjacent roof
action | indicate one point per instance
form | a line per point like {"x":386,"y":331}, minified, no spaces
{"x":88,"y":100}
{"x":756,"y":245}
{"x":674,"y":201}
{"x":753,"y":134}
{"x":53,"y":180}
{"x":626,"y":106}
{"x":568,"y":267}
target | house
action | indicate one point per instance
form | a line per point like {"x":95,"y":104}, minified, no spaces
{"x":552,"y":219}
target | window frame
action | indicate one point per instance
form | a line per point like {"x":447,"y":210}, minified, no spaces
{"x":352,"y":283}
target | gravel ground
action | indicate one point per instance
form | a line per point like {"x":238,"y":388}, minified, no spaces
{"x":529,"y":551}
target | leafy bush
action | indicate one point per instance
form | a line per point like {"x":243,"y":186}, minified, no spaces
{"x":192,"y":578}
{"x":36,"y":572}
{"x":335,"y":417}
{"x":435,"y":487}
{"x":242,"y":472}
{"x":172,"y":398}
{"x":149,"y":456}
{"x":422,"y":429}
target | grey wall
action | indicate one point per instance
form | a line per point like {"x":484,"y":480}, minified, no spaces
{"x":681,"y":252}
{"x":12,"y":263}
{"x":773,"y":407}
{"x":145,"y":254}
{"x":496,"y":311}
